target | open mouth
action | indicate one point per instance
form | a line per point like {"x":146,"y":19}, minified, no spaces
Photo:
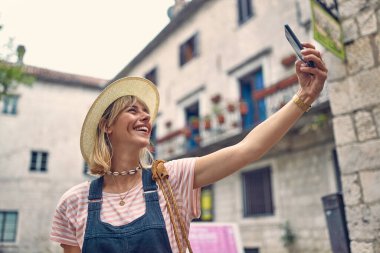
{"x":143,"y":129}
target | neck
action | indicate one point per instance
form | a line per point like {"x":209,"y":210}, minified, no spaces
{"x":124,"y":160}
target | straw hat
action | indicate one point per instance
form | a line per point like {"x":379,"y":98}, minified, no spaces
{"x":142,"y":88}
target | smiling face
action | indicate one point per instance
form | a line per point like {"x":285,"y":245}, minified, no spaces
{"x":131,"y":128}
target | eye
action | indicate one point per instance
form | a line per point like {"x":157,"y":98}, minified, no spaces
{"x":131,"y":109}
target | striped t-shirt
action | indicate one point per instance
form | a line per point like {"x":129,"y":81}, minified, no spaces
{"x":69,"y":221}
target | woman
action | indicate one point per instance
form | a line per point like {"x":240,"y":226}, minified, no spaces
{"x":123,"y":211}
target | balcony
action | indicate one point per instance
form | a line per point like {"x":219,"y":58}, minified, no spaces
{"x":228,"y":122}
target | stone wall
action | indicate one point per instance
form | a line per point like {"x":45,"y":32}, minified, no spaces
{"x":302,"y":173}
{"x":355,"y":103}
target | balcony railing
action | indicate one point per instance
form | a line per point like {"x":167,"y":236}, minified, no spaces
{"x":226,"y":121}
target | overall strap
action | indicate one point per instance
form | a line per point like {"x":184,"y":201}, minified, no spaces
{"x":95,"y":194}
{"x":149,"y":186}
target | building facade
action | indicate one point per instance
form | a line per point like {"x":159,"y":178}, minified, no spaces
{"x":40,"y":156}
{"x":355,"y":104}
{"x":221,"y":68}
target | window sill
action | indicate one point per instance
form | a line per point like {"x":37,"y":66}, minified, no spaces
{"x":9,"y":245}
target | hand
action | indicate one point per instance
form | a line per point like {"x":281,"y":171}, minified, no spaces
{"x":311,"y":80}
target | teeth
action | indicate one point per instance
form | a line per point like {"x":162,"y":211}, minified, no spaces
{"x":145,"y":129}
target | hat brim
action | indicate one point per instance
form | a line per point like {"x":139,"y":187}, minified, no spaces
{"x":142,"y":88}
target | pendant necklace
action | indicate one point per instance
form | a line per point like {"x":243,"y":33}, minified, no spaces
{"x":122,"y":202}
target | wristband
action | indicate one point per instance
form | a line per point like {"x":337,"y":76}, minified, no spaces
{"x":300,"y":103}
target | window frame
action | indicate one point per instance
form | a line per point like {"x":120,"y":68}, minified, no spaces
{"x":245,"y":11}
{"x":262,"y":178}
{"x":39,"y":161}
{"x":152,"y":72}
{"x":10,"y":104}
{"x":192,"y":44}
{"x":3,"y":215}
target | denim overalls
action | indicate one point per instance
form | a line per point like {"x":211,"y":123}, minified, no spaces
{"x":145,"y":234}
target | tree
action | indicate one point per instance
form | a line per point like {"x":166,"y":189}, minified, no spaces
{"x":12,"y":71}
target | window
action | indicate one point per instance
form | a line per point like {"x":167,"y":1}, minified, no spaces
{"x":152,"y":76}
{"x":8,"y":226}
{"x":10,"y":104}
{"x":257,"y":192}
{"x":245,"y":10}
{"x":39,"y":161}
{"x":207,"y":204}
{"x":85,"y":168}
{"x":188,"y":50}
{"x":192,"y":122}
{"x":256,"y":110}
{"x":251,"y":250}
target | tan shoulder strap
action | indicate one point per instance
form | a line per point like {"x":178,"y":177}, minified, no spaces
{"x":161,"y":176}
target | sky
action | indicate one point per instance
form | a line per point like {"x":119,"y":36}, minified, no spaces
{"x":96,"y":38}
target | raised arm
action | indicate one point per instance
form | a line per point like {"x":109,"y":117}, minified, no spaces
{"x":217,"y":165}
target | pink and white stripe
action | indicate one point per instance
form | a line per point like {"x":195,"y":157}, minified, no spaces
{"x":69,"y":221}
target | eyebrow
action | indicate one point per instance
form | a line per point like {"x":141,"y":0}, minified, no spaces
{"x":142,"y":106}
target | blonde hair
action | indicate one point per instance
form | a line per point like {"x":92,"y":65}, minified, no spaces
{"x":100,"y":157}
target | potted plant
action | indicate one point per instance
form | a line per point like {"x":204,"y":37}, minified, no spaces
{"x":230,"y":107}
{"x":221,"y":118}
{"x":216,"y":98}
{"x":168,"y":124}
{"x":243,"y":107}
{"x":194,"y":122}
{"x":187,"y":132}
{"x":207,"y":122}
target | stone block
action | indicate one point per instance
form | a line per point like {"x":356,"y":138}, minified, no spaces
{"x":360,"y":222}
{"x":376,"y":117}
{"x":333,"y":62}
{"x":360,"y":156}
{"x":370,"y":181}
{"x":351,"y":190}
{"x":365,"y":125}
{"x":350,"y":8}
{"x":377,"y":42}
{"x":359,"y":55}
{"x":367,"y":22}
{"x":361,"y":247}
{"x":344,"y":131}
{"x":340,"y":97}
{"x":350,"y":30}
{"x":365,"y":89}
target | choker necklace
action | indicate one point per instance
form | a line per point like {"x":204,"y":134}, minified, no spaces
{"x":124,"y":172}
{"x":122,"y":202}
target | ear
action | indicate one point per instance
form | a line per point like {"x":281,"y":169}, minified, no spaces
{"x":108,"y":130}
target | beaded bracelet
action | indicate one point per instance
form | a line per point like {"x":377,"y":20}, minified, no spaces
{"x":300,"y":103}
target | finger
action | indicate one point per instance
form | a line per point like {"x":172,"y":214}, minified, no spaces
{"x":307,"y":51}
{"x":299,"y":64}
{"x":316,"y":60}
{"x":316,"y":72}
{"x":308,"y":45}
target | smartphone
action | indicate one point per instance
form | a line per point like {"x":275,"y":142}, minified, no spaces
{"x":296,"y":44}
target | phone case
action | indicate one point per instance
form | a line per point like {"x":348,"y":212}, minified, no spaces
{"x":296,"y":44}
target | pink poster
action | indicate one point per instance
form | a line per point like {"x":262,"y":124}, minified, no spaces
{"x":214,"y":238}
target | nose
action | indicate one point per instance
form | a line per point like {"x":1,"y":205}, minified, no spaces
{"x":145,"y":117}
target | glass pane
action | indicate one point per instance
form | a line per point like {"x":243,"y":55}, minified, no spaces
{"x":9,"y":237}
{"x":11,"y":217}
{"x":1,"y":221}
{"x":34,"y":156}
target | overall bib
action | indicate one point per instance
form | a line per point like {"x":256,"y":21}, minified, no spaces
{"x":145,"y":234}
